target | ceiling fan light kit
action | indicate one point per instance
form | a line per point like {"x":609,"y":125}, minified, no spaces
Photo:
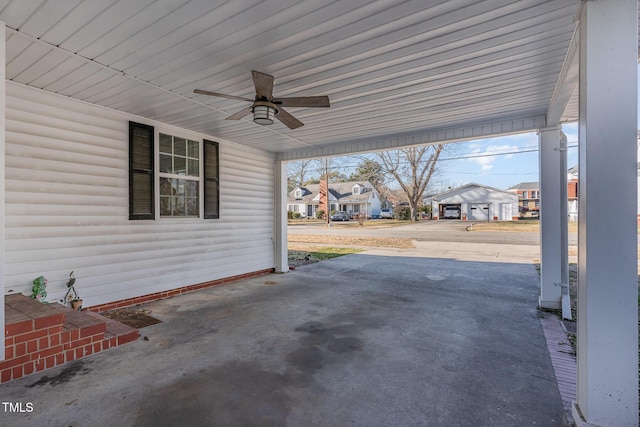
{"x":263,"y":113}
{"x":265,"y":107}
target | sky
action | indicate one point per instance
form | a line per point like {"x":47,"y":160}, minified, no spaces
{"x":500,"y":162}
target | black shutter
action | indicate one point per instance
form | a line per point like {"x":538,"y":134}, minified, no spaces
{"x":211,"y":180}
{"x":141,"y":188}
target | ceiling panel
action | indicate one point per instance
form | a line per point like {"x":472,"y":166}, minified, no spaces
{"x":392,"y":69}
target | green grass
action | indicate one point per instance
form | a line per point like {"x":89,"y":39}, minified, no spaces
{"x":323,"y":253}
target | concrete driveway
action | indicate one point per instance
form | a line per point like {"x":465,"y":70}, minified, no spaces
{"x":381,"y":338}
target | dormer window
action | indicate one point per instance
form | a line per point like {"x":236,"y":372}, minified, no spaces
{"x":298,"y":193}
{"x":355,"y":189}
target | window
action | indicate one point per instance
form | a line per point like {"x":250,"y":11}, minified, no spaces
{"x":535,"y":194}
{"x":356,"y":189}
{"x":179,"y":176}
{"x":298,"y":194}
{"x":187,"y":170}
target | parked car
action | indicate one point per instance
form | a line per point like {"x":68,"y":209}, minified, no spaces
{"x":535,"y":214}
{"x":386,"y":213}
{"x":340,"y":216}
{"x":452,"y":212}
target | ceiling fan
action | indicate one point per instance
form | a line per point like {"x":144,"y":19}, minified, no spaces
{"x":265,"y":107}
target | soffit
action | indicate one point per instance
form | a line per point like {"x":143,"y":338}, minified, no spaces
{"x":395,"y":71}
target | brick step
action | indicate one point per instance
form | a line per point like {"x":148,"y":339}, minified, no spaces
{"x":23,"y":315}
{"x":40,"y":336}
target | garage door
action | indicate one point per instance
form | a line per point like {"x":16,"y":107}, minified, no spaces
{"x":478,"y":212}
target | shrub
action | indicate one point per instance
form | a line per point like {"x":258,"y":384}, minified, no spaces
{"x":402,"y":213}
{"x":320,"y":214}
{"x":297,"y":215}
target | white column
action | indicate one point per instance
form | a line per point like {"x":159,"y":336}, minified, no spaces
{"x":2,"y":168}
{"x":281,"y":258}
{"x":553,"y":223}
{"x":607,"y":237}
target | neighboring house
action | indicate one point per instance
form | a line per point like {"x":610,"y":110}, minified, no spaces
{"x":351,"y":197}
{"x":475,"y":202}
{"x":528,"y":197}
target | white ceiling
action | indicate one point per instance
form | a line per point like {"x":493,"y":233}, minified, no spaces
{"x":397,"y":72}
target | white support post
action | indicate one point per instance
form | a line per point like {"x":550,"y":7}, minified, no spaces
{"x":281,"y":258}
{"x":553,"y":223}
{"x":2,"y":174}
{"x":607,"y":238}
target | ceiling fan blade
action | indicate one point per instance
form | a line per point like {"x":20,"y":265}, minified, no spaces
{"x":304,"y":101}
{"x":286,"y":118}
{"x":221,"y":95}
{"x":240,"y":114}
{"x":264,"y":85}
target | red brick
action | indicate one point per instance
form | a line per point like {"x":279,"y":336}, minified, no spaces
{"x":20,"y":349}
{"x":47,"y":352}
{"x":16,"y":372}
{"x":8,"y":364}
{"x":5,"y":375}
{"x":9,"y":341}
{"x":59,"y":359}
{"x":79,"y":353}
{"x":132,"y":336}
{"x":43,"y":343}
{"x":54,"y":339}
{"x":8,"y":352}
{"x":31,"y":336}
{"x":55,"y":330}
{"x":97,"y":347}
{"x":50,"y":362}
{"x":28,"y":368}
{"x":39,"y":365}
{"x":75,"y":334}
{"x":18,"y":328}
{"x":82,"y":342}
{"x":32,"y":346}
{"x":88,"y":350}
{"x":48,"y":321}
{"x":65,"y":336}
{"x":70,"y":355}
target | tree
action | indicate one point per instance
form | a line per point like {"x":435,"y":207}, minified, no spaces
{"x":297,"y":173}
{"x":413,"y":169}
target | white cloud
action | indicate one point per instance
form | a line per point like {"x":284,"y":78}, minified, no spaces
{"x":486,"y":156}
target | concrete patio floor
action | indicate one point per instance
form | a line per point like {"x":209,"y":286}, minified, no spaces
{"x":381,"y":338}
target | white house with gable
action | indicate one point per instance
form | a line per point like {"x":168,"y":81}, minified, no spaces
{"x":475,"y":202}
{"x":352,"y":197}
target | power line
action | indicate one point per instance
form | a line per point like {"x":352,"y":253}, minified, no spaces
{"x":464,"y":157}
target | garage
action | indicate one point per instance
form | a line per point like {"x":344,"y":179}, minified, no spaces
{"x":479,"y":211}
{"x":475,"y":202}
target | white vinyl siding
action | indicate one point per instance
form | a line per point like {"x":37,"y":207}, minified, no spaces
{"x":67,"y":207}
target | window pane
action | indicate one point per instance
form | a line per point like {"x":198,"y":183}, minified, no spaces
{"x":180,"y":146}
{"x":165,"y":143}
{"x":193,"y":151}
{"x":193,"y":167}
{"x":179,"y":166}
{"x":192,"y":206}
{"x":165,"y":163}
{"x":191,"y":188}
